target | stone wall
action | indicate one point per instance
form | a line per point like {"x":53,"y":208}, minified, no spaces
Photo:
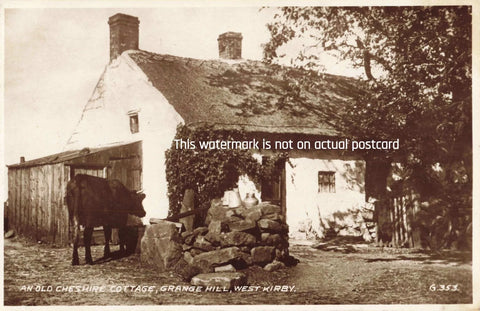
{"x":232,"y":239}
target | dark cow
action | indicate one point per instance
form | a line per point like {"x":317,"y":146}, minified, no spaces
{"x":93,"y":202}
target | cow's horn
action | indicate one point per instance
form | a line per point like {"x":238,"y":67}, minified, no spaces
{"x":140,"y":191}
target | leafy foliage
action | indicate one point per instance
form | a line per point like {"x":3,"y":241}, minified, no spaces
{"x":209,"y":172}
{"x":418,"y":70}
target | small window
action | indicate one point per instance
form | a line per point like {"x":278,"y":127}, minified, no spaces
{"x":134,"y":123}
{"x":326,"y":182}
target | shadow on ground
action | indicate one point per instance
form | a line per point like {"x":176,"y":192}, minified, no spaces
{"x":117,"y":255}
{"x":352,"y":244}
{"x":343,"y":244}
{"x":429,"y":257}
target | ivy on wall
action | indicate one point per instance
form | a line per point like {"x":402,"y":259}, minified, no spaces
{"x":210,"y":172}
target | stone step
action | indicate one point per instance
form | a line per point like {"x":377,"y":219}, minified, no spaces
{"x":222,"y":280}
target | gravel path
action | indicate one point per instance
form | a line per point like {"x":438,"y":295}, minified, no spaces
{"x":42,"y":275}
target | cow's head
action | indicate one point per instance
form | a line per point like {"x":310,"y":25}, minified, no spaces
{"x":137,"y":208}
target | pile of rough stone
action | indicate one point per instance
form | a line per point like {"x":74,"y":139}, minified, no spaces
{"x":233,"y":239}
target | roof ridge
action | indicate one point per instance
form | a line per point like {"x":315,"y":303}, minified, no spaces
{"x":190,"y":61}
{"x":233,"y":63}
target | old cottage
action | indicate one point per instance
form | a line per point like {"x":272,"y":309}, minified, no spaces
{"x":141,"y":97}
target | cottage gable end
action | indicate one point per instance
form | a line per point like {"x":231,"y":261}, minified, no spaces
{"x":123,"y":90}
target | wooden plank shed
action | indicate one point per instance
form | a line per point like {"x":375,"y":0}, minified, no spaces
{"x":36,"y":189}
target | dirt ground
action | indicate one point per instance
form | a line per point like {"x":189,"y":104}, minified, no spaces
{"x":334,"y":273}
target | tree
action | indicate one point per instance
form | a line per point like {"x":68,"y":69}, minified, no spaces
{"x":417,"y":64}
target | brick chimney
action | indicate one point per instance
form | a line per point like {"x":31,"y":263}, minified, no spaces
{"x":123,"y":34}
{"x":230,"y":45}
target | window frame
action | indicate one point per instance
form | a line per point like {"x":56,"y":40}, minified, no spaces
{"x":326,"y":182}
{"x":134,"y":126}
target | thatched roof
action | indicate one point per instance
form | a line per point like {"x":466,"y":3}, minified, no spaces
{"x":248,"y":95}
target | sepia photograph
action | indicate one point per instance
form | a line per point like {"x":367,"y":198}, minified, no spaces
{"x":227,"y":154}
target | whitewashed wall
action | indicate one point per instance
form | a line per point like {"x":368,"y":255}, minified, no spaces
{"x":304,"y":203}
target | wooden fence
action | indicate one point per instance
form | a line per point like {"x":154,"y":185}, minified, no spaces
{"x":36,"y":207}
{"x":396,"y":220}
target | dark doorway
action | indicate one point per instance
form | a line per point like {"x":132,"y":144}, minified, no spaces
{"x":274,"y":188}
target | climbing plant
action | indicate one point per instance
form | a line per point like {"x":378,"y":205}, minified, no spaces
{"x":209,"y":172}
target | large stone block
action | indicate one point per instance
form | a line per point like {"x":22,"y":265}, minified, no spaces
{"x":203,"y":244}
{"x":232,"y":219}
{"x":270,"y":225}
{"x":253,"y":213}
{"x":274,"y":216}
{"x":188,"y":257}
{"x":213,"y":238}
{"x":245,"y":249}
{"x":263,"y":254}
{"x":242,"y":225}
{"x":186,"y":234}
{"x":224,"y":280}
{"x":245,"y":261}
{"x":281,"y":254}
{"x":275,"y":265}
{"x":240,"y":211}
{"x":268,"y":208}
{"x":216,"y":211}
{"x":209,"y":260}
{"x":185,"y":270}
{"x":163,"y":229}
{"x":217,"y":227}
{"x":231,"y":215}
{"x":188,"y":238}
{"x":237,"y":238}
{"x":274,"y":240}
{"x":161,"y":246}
{"x":196,"y":251}
{"x":200,"y":231}
{"x":155,"y":221}
{"x":225,"y":268}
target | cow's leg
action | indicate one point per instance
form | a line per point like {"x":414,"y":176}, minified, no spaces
{"x":76,"y":238}
{"x":108,"y":236}
{"x":87,"y":239}
{"x":122,"y":237}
